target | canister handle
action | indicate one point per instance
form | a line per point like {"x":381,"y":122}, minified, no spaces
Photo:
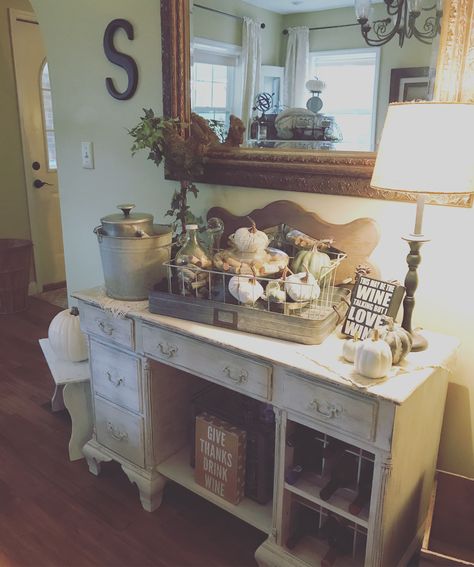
{"x":98,"y":232}
{"x":126,"y":208}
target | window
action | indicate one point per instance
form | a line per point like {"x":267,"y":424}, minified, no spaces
{"x":214,"y":80}
{"x":351,"y":78}
{"x":48,"y":118}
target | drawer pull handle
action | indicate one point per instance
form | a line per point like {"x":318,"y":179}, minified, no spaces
{"x":115,"y":381}
{"x":115,"y":433}
{"x":239,"y":378}
{"x":326,"y":409}
{"x":168,"y":350}
{"x":105,"y":327}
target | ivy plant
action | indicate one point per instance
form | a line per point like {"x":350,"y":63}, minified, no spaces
{"x":183,"y":157}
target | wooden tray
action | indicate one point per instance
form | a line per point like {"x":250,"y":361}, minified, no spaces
{"x":251,"y":320}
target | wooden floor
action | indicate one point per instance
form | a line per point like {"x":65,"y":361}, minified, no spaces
{"x":55,"y":513}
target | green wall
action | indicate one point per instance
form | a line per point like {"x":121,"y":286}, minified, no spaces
{"x":14,"y":220}
{"x":84,"y":111}
{"x":223,"y":28}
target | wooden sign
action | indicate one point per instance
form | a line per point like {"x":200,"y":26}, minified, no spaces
{"x":370,"y":300}
{"x":220,"y":457}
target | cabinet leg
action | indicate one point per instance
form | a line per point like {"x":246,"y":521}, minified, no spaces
{"x":94,"y":458}
{"x":150,"y":486}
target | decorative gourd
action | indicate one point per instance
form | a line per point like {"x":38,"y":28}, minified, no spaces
{"x":66,"y":338}
{"x":245,"y":289}
{"x":349,"y":348}
{"x":249,"y":239}
{"x":399,"y":340}
{"x":373,"y":358}
{"x":315,"y":261}
{"x":302,"y":287}
{"x":274,"y":292}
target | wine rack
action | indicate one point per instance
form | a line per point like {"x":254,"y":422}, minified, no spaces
{"x":326,"y":497}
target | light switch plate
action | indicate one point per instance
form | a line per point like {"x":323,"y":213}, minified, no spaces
{"x":87,"y":152}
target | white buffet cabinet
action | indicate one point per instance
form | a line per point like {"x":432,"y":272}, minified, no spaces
{"x":146,"y":368}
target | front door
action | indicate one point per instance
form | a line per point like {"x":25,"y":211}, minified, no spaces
{"x":39,"y":151}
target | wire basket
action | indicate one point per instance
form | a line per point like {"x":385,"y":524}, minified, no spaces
{"x":209,"y":284}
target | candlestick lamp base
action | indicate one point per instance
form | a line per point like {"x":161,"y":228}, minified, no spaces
{"x":411,"y":283}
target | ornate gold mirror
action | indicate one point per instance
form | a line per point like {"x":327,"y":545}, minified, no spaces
{"x":304,"y":170}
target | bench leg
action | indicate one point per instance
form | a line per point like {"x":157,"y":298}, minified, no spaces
{"x":77,"y":400}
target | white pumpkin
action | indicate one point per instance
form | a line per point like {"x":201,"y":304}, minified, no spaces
{"x":249,"y":239}
{"x":373,"y":359}
{"x":274,"y":292}
{"x":302,"y":287}
{"x":349,"y":348}
{"x":66,"y":338}
{"x":245,"y":289}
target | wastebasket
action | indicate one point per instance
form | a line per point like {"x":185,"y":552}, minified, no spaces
{"x":15,"y":259}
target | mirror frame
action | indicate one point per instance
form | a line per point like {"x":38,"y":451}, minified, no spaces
{"x":335,"y":173}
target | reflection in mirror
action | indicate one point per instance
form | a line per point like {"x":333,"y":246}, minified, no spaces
{"x":238,"y":69}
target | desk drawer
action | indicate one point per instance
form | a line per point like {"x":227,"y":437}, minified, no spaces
{"x":116,"y":376}
{"x":104,"y":324}
{"x":216,"y":364}
{"x":120,"y":431}
{"x":346,"y":412}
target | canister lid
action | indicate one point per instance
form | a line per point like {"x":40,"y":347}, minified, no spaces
{"x":126,"y":221}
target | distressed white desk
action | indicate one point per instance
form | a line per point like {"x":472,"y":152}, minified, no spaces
{"x":71,"y":392}
{"x":145,"y":369}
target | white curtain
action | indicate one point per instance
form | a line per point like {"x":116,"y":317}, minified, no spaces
{"x":296,"y":68}
{"x":251,"y":63}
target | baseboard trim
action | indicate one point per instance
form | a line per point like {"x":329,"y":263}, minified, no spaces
{"x":54,"y":285}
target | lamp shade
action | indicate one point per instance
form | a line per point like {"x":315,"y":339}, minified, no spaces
{"x":426,"y":147}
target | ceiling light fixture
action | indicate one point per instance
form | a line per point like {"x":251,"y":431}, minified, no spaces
{"x":402,"y":18}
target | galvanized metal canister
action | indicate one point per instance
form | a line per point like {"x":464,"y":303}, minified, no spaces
{"x":134,"y":264}
{"x":127,"y":223}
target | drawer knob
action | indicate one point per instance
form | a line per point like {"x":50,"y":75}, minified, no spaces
{"x":116,"y":433}
{"x":115,"y":381}
{"x":105,"y":327}
{"x":167,"y":349}
{"x":326,"y":409}
{"x":239,"y":377}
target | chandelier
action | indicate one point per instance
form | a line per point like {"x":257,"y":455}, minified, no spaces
{"x":402,"y":20}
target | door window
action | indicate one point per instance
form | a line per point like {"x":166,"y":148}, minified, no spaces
{"x":48,"y":118}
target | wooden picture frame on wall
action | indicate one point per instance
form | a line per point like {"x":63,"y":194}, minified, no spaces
{"x":409,"y":83}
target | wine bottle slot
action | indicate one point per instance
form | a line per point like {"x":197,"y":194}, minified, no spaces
{"x":343,"y":474}
{"x":339,"y":538}
{"x":305,"y":523}
{"x":364,"y":489}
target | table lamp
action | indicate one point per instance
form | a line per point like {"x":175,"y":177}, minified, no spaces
{"x":422,"y":152}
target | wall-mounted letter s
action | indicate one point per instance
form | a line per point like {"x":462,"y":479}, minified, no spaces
{"x":120,"y":59}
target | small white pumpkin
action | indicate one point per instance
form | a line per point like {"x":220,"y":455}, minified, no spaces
{"x":245,"y":289}
{"x":249,"y":239}
{"x":302,"y":287}
{"x":373,"y":359}
{"x":399,"y":340}
{"x":66,"y":338}
{"x":349,"y":348}
{"x":274,"y":292}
